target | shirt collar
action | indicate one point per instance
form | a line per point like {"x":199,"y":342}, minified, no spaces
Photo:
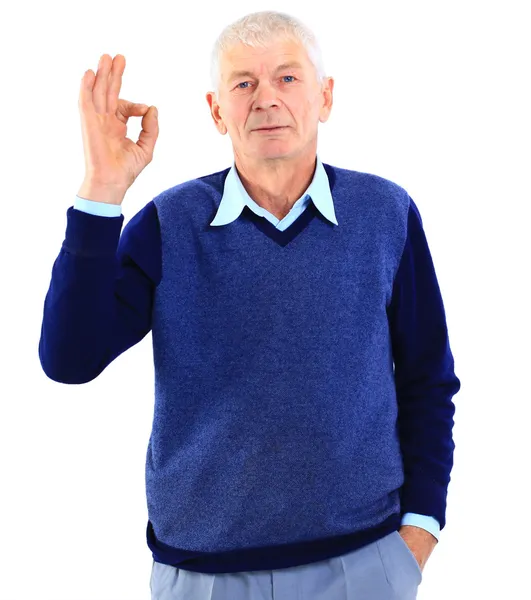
{"x":235,"y":197}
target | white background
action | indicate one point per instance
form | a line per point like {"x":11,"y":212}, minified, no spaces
{"x":434,"y":96}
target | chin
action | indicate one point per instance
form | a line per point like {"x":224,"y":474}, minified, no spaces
{"x":273,"y":153}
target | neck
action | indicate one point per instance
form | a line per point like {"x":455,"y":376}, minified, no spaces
{"x":276,"y":185}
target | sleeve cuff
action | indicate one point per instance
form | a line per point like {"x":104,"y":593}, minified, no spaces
{"x":91,"y":235}
{"x":99,"y":209}
{"x":424,"y":521}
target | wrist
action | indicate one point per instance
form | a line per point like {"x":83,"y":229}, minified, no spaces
{"x":97,"y":192}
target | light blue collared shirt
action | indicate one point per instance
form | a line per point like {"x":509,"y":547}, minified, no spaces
{"x":234,"y":198}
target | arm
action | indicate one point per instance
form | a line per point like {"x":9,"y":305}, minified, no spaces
{"x":100,"y":296}
{"x":424,"y":376}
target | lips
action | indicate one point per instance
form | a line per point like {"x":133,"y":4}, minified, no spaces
{"x":269,"y":128}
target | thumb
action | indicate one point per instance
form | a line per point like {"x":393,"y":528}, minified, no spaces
{"x":150,"y":130}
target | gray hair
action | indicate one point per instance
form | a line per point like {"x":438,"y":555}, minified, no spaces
{"x":258,"y":29}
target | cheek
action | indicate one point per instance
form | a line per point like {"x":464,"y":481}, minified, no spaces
{"x":240,"y":118}
{"x":305,"y":110}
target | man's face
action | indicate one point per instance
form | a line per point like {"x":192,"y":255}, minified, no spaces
{"x":256,"y":93}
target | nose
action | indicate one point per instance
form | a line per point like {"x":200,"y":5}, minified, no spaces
{"x":265,"y":96}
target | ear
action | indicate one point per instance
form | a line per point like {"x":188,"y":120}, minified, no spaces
{"x":328,"y":100}
{"x":214,"y":111}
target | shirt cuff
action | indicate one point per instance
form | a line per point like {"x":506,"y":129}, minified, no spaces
{"x":100,"y":209}
{"x":425,"y":522}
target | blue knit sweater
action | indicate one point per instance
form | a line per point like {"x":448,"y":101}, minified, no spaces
{"x":303,"y":374}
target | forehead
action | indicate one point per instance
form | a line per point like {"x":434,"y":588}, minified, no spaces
{"x":242,"y":60}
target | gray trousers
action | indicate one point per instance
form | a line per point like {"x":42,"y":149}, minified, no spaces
{"x":382,"y":570}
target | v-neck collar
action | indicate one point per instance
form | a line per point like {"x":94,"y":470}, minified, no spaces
{"x":282,"y":238}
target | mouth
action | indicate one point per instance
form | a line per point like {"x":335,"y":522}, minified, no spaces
{"x":269,"y":128}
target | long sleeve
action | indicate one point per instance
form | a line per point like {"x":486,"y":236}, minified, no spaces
{"x":424,"y":376}
{"x":100,"y":296}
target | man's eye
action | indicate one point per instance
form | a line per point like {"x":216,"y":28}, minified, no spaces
{"x":248,"y":82}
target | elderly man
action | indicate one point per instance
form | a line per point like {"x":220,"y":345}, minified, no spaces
{"x":302,"y":435}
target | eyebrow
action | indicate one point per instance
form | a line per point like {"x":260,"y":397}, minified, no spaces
{"x":287,"y":65}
